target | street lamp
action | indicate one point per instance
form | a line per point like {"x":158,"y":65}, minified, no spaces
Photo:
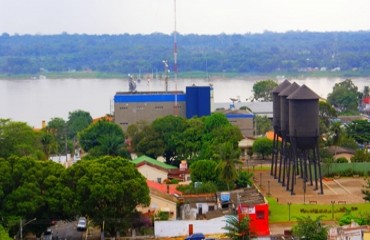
{"x":289,"y":203}
{"x":21,"y":225}
{"x":332,"y":210}
{"x":268,"y":188}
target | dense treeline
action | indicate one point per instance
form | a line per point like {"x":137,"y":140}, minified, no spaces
{"x":248,"y":53}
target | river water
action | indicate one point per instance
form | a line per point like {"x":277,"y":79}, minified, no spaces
{"x":34,"y":100}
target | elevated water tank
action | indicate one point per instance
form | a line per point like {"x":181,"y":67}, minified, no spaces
{"x":276,"y":104}
{"x":284,"y":107}
{"x":304,"y":117}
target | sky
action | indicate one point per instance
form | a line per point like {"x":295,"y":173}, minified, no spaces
{"x":192,"y":16}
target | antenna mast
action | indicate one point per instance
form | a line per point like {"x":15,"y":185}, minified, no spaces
{"x":175,"y":58}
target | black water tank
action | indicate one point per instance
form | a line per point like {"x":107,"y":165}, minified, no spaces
{"x":284,"y":107}
{"x":304,"y":117}
{"x":276,"y":103}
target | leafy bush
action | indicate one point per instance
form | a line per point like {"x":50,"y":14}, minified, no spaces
{"x":341,"y":160}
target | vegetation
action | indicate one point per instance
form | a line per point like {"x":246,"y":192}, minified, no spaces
{"x":345,"y":97}
{"x":262,"y":146}
{"x":237,"y":229}
{"x":279,"y":212}
{"x":104,"y":189}
{"x":366,"y":191}
{"x":97,"y":55}
{"x":262,"y":90}
{"x":263,"y":125}
{"x":310,"y":229}
{"x":102,"y":138}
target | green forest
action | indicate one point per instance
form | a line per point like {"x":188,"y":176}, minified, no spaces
{"x":264,"y":53}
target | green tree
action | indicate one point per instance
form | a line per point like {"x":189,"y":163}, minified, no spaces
{"x":107,"y":189}
{"x":77,"y":121}
{"x":48,"y":142}
{"x":345,"y":97}
{"x":244,"y":179}
{"x":19,"y":139}
{"x":204,"y":171}
{"x":149,"y":143}
{"x":226,"y":166}
{"x":58,"y":127}
{"x":262,"y":90}
{"x":169,"y":129}
{"x":31,"y":189}
{"x":263,"y":124}
{"x":262,"y":146}
{"x":366,"y":191}
{"x":189,"y":144}
{"x":3,"y":234}
{"x":361,"y":155}
{"x":310,"y":229}
{"x":359,"y":130}
{"x":326,"y":114}
{"x":102,"y":138}
{"x":237,"y":229}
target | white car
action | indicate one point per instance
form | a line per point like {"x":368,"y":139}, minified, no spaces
{"x":82,"y":224}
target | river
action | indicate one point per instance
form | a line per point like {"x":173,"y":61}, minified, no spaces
{"x":34,"y":100}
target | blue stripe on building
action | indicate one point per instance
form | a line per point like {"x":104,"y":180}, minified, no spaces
{"x":134,"y":98}
{"x":239,"y":115}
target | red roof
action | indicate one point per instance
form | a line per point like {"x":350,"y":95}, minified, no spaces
{"x":163,"y":187}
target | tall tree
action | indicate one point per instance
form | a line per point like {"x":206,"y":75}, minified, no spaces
{"x":102,"y":138}
{"x":262,"y":146}
{"x":262,"y":90}
{"x":326,"y":114}
{"x":107,"y":189}
{"x":169,"y":129}
{"x":226,"y":166}
{"x":204,"y":171}
{"x":19,"y":139}
{"x":58,"y":127}
{"x":77,"y":121}
{"x":263,"y":124}
{"x":345,"y":97}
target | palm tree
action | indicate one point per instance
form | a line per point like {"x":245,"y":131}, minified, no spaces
{"x":229,"y":158}
{"x":237,"y":229}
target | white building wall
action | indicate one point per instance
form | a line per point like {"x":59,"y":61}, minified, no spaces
{"x":181,"y":228}
{"x":152,"y":173}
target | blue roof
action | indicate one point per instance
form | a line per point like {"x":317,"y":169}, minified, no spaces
{"x":137,"y":97}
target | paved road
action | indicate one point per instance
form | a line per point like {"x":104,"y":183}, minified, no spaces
{"x":66,"y":231}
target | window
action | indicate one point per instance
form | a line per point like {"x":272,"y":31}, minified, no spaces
{"x":260,"y":215}
{"x":211,"y":208}
{"x":159,"y":180}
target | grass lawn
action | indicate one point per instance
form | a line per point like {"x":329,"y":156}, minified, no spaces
{"x":280,"y":212}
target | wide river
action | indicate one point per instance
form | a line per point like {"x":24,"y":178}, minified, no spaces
{"x":32,"y":101}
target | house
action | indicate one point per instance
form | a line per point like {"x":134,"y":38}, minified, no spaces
{"x":341,"y":152}
{"x":152,"y":169}
{"x":196,"y":206}
{"x":352,"y":231}
{"x":163,"y":198}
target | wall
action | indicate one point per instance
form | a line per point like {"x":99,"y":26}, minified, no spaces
{"x":181,"y":228}
{"x":152,"y":173}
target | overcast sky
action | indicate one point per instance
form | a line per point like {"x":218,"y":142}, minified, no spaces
{"x":193,"y":16}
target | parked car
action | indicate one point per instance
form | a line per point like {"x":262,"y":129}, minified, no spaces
{"x":82,"y":224}
{"x":48,"y":234}
{"x":196,"y":236}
